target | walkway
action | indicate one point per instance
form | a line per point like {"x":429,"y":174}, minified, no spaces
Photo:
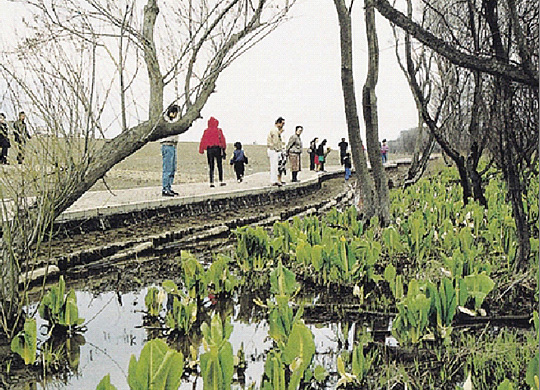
{"x":94,"y":203}
{"x":106,"y":203}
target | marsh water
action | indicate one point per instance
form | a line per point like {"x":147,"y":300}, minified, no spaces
{"x":114,"y":332}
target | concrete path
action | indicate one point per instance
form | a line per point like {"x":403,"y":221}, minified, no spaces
{"x":94,"y":203}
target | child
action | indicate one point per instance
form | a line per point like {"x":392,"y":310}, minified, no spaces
{"x":348,"y":165}
{"x":238,"y":160}
{"x":384,"y":151}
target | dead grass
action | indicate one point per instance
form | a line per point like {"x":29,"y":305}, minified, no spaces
{"x":143,"y":168}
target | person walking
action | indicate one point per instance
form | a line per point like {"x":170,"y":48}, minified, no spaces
{"x":348,"y":165}
{"x":20,"y":135}
{"x":313,"y":153}
{"x":384,"y":151}
{"x":321,"y":155}
{"x":274,"y":146}
{"x":239,"y":160}
{"x":294,"y":151}
{"x":168,"y":156}
{"x":213,"y":141}
{"x":4,"y":139}
{"x":343,"y":145}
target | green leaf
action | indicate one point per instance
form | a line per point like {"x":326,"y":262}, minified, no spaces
{"x":170,"y":287}
{"x":159,"y":368}
{"x":320,"y":373}
{"x":282,"y":281}
{"x":506,"y":385}
{"x":532,"y":374}
{"x":478,"y":287}
{"x":25,"y":342}
{"x":105,"y":384}
{"x":274,"y":372}
{"x":298,"y":352}
{"x":227,"y":364}
{"x":360,"y":363}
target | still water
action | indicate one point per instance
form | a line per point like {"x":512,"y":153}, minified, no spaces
{"x":114,"y":333}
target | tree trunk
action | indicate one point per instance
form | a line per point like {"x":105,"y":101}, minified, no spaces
{"x":73,"y":181}
{"x":369,"y":103}
{"x":508,"y":155}
{"x":414,"y":175}
{"x":491,"y":65}
{"x":366,"y":190}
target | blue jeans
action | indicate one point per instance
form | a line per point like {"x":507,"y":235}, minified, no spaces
{"x":347,"y":173}
{"x":384,"y":157}
{"x":168,"y":153}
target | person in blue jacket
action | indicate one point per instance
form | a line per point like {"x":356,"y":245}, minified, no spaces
{"x":238,"y":160}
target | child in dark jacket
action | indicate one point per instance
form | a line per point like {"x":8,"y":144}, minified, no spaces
{"x":348,"y":165}
{"x":239,"y":159}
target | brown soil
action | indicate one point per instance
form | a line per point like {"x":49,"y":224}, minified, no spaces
{"x":162,"y":225}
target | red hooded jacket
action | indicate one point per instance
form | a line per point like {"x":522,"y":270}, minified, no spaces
{"x":212,"y":136}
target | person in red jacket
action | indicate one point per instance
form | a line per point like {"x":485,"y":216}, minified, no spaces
{"x":213,"y":141}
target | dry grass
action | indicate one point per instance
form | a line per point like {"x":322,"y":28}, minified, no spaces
{"x":143,"y":168}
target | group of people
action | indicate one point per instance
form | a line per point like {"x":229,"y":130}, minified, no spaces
{"x":278,"y":153}
{"x":318,"y":154}
{"x":20,"y":136}
{"x":214,"y":144}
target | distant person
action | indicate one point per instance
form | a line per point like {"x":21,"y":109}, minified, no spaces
{"x":4,"y":139}
{"x":347,"y":163}
{"x":168,"y":156}
{"x":239,"y":160}
{"x":213,"y":141}
{"x":294,"y":151}
{"x":321,"y":154}
{"x":274,"y":146}
{"x":313,"y":153}
{"x":343,"y":145}
{"x":20,"y":135}
{"x":384,"y":151}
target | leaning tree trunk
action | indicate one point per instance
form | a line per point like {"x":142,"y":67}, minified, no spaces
{"x":366,"y":190}
{"x":369,"y":104}
{"x":415,"y":161}
{"x":414,"y":175}
{"x":74,"y":181}
{"x":456,"y":157}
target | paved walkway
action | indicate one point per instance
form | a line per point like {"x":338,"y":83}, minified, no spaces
{"x":110,"y":202}
{"x":95,"y":203}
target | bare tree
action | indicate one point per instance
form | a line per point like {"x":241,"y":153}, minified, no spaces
{"x":351,"y":111}
{"x":184,"y":47}
{"x":423,"y":62}
{"x":485,"y":63}
{"x":462,"y":101}
{"x":369,"y":104}
{"x":500,"y":50}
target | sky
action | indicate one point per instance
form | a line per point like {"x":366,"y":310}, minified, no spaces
{"x":295,"y":73}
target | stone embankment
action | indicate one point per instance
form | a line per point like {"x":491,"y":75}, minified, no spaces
{"x":107,"y":211}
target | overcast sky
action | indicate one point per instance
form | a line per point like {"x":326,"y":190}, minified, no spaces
{"x":295,"y":73}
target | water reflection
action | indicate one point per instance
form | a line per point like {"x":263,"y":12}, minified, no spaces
{"x":115,"y":332}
